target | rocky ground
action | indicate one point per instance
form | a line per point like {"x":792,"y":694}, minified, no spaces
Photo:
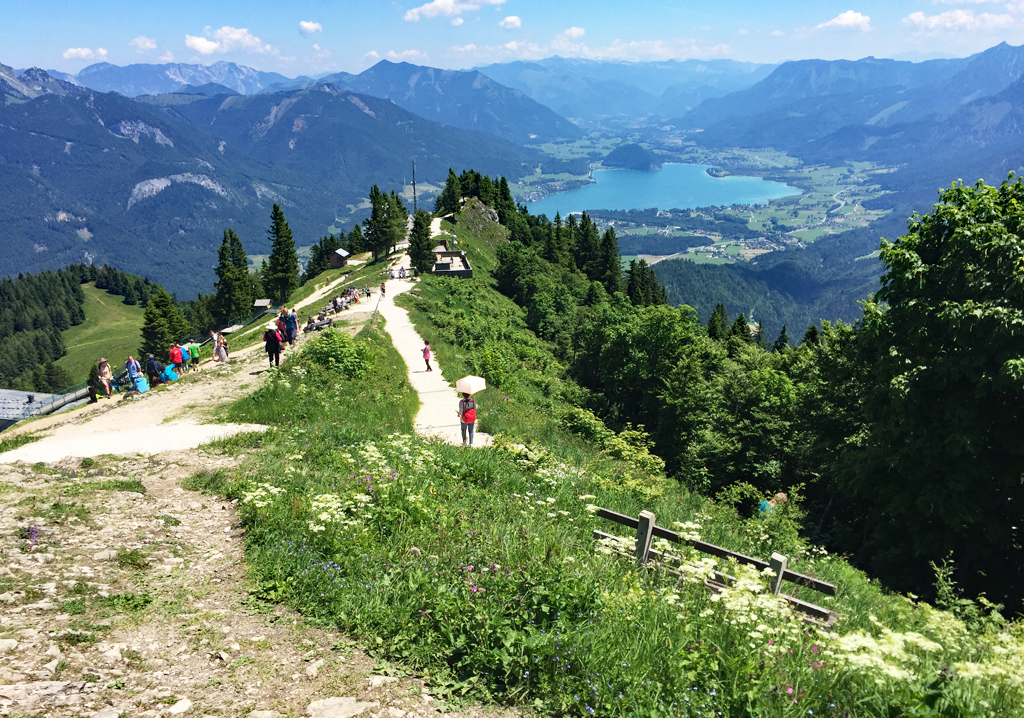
{"x":123,"y":593}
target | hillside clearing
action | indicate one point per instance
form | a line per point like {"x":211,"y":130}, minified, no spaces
{"x":111,"y":329}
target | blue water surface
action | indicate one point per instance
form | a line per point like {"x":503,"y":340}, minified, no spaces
{"x":674,"y":185}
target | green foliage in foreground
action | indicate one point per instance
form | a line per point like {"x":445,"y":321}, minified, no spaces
{"x":477,"y":568}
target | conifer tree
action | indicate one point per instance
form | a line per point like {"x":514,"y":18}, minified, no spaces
{"x":740,"y":328}
{"x":233,"y":296}
{"x":811,"y":336}
{"x":782,"y":343}
{"x":162,"y":325}
{"x":642,"y":285}
{"x":506,"y":207}
{"x":282,"y":275}
{"x":421,"y":244}
{"x":718,"y":323}
{"x":588,"y":248}
{"x":610,"y":263}
{"x":356,"y":240}
{"x":448,"y":202}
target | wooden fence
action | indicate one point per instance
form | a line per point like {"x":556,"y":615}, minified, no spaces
{"x":647,"y":530}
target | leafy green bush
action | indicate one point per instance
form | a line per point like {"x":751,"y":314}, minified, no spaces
{"x":335,"y":350}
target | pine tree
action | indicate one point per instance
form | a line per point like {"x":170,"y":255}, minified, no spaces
{"x":162,"y":325}
{"x":234,"y":290}
{"x":588,"y":248}
{"x":197,"y":313}
{"x":506,"y":204}
{"x":782,"y":343}
{"x":642,"y":285}
{"x":718,"y":323}
{"x":282,"y":274}
{"x":356,"y":240}
{"x":741,"y":329}
{"x":398,"y":220}
{"x":610,"y":263}
{"x":449,"y":201}
{"x":377,"y":227}
{"x":421,"y":244}
{"x":811,"y":336}
{"x":760,"y":338}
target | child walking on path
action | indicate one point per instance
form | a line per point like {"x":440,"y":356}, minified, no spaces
{"x":426,"y":355}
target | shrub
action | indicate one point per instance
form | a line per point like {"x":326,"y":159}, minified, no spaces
{"x":335,"y":350}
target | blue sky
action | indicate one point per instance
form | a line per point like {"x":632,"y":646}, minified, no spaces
{"x":318,"y":36}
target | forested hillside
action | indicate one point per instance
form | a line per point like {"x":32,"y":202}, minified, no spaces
{"x":35,"y":309}
{"x":729,"y":403}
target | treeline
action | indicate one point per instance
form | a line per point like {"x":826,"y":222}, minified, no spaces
{"x":899,"y":433}
{"x":36,"y":308}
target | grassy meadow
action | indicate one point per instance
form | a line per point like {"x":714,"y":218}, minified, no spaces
{"x":476,"y":568}
{"x":111,"y":329}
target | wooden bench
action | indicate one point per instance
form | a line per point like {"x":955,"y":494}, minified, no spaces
{"x":647,"y":530}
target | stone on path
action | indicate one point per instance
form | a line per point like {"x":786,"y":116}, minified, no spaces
{"x":265,"y":714}
{"x":180,"y":707}
{"x":342,"y":707}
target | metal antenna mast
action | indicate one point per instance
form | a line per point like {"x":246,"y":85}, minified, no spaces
{"x":414,"y":186}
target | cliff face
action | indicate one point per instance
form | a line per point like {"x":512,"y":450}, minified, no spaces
{"x":632,"y":157}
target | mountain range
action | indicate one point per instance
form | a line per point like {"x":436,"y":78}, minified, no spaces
{"x":92,"y":176}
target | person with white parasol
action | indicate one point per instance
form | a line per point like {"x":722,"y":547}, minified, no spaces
{"x":467,"y":386}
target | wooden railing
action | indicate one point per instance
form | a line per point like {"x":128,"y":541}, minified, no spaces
{"x":647,"y":530}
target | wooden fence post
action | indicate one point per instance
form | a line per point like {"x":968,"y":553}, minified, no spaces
{"x":778,"y":564}
{"x":644,"y":534}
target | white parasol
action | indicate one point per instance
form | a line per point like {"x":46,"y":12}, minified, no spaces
{"x":470,"y":384}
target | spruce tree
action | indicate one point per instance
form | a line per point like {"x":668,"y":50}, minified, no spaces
{"x":356,"y":240}
{"x":610,"y":263}
{"x":377,"y":227}
{"x":506,"y":204}
{"x":233,"y":297}
{"x":782,"y":343}
{"x":718,"y":323}
{"x":588,"y":248}
{"x":811,"y":336}
{"x":448,"y":202}
{"x":740,"y":328}
{"x":421,"y":244}
{"x":162,"y":325}
{"x":282,"y":274}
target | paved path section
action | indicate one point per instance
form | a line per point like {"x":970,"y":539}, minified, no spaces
{"x":439,"y":402}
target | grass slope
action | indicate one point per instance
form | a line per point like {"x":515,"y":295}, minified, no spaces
{"x":111,"y":329}
{"x":477,"y":568}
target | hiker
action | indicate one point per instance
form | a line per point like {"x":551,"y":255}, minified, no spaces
{"x":175,"y":354}
{"x":291,"y":326}
{"x":193,"y":354}
{"x":383,"y":289}
{"x":768,"y":506}
{"x":467,"y":416}
{"x":272,"y":342}
{"x":215,"y":342}
{"x":426,"y":355}
{"x":222,"y":348}
{"x":154,"y":370}
{"x":133,"y":368}
{"x":391,"y":274}
{"x":105,"y":375}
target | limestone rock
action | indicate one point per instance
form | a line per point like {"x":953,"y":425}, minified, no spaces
{"x":107,"y":555}
{"x":180,"y":707}
{"x":343,"y":707}
{"x":265,"y":714}
{"x":7,"y":645}
{"x":313,"y":669}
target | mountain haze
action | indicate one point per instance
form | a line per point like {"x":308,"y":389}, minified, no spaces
{"x":146,"y":79}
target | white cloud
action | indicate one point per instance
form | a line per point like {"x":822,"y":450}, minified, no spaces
{"x":308,"y":28}
{"x":143,"y":43}
{"x":565,"y":44}
{"x":742,"y":31}
{"x":406,"y":55}
{"x":512,"y":22}
{"x":83,"y":53}
{"x":849,"y":20}
{"x":167,"y":57}
{"x":777,"y":33}
{"x":957,"y":20}
{"x":457,"y":21}
{"x":372,"y":55}
{"x":447,"y":8}
{"x":228,"y":39}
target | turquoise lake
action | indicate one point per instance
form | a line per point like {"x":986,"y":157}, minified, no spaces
{"x":674,"y":185}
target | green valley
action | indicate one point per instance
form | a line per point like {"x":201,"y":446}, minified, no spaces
{"x":111,"y":329}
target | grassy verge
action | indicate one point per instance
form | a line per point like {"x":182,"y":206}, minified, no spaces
{"x":477,"y":567}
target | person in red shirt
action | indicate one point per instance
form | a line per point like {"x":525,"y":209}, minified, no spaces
{"x":175,"y":356}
